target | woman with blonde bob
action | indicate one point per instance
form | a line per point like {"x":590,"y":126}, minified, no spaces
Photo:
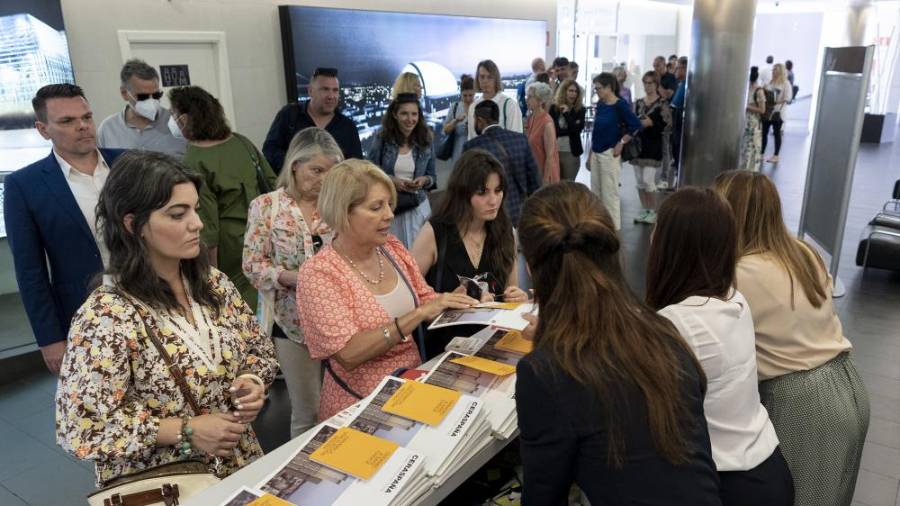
{"x":407,"y":82}
{"x":808,"y":382}
{"x":362,"y":297}
{"x":283,"y":230}
{"x":611,"y":398}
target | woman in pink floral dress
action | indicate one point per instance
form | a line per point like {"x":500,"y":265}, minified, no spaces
{"x":282,"y":232}
{"x":361,"y":298}
{"x":117,"y":403}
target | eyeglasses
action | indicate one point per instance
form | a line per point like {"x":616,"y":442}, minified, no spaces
{"x":649,"y":82}
{"x":317,"y":243}
{"x":325,"y":72}
{"x":140,"y":97}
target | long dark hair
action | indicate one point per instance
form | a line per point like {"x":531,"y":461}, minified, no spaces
{"x":139,"y":183}
{"x":694,"y":248}
{"x":592,"y":325}
{"x":390,"y":128}
{"x":206,"y":117}
{"x":469,"y":176}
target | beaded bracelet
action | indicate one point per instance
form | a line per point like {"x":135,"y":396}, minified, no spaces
{"x":184,"y":437}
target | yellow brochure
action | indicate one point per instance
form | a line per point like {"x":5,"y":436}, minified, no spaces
{"x":269,"y":500}
{"x":421,"y":402}
{"x":501,"y":305}
{"x":355,"y":453}
{"x":513,"y":341}
{"x":485,"y":365}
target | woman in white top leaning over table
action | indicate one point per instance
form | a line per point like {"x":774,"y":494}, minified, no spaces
{"x":690,"y":281}
{"x":488,"y":82}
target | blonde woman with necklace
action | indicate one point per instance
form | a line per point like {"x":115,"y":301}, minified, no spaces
{"x":361,"y":298}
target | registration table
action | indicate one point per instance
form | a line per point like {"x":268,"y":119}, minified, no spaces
{"x":253,"y":474}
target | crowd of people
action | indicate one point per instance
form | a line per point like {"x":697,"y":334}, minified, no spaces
{"x":167,"y":284}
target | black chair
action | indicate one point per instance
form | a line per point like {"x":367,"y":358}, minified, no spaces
{"x":879,"y":245}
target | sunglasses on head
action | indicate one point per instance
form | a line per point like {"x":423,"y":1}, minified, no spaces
{"x":325,"y":72}
{"x":144,"y":96}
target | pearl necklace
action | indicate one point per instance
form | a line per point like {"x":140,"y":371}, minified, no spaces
{"x":363,"y":274}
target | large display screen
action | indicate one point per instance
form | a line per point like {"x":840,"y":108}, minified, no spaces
{"x":371,"y":48}
{"x":33,"y":52}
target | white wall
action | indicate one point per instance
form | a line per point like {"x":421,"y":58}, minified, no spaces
{"x":253,"y":39}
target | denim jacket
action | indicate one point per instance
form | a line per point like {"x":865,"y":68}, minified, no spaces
{"x":384,"y":154}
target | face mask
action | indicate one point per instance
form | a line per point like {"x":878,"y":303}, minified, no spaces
{"x":147,"y":108}
{"x":173,"y":127}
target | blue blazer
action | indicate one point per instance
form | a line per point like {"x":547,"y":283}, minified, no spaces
{"x":54,"y":251}
{"x":384,"y":154}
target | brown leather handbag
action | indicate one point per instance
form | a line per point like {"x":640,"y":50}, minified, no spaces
{"x":165,"y":484}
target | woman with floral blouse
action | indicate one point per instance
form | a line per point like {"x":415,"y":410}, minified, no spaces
{"x":362,"y":297}
{"x":282,"y":231}
{"x":117,"y":403}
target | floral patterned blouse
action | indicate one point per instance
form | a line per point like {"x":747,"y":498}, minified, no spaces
{"x":114,"y":386}
{"x":273,"y":246}
{"x":334,"y":305}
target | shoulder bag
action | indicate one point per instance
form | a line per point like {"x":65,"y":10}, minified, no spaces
{"x":165,"y":484}
{"x":632,"y":150}
{"x":445,"y":151}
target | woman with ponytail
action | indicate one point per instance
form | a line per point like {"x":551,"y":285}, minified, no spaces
{"x":611,"y":398}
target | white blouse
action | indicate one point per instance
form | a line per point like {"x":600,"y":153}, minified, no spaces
{"x":722,"y":337}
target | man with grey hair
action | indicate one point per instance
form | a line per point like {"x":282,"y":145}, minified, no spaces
{"x":143,"y":124}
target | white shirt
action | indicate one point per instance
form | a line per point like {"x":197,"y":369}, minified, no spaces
{"x":405,"y":166}
{"x":722,"y":337}
{"x":510,"y":114}
{"x":86,"y":189}
{"x":765,"y":75}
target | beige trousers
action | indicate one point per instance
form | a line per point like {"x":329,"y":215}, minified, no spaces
{"x":606,"y":170}
{"x":303,"y":378}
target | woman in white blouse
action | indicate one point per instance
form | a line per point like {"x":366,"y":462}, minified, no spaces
{"x":283,"y":230}
{"x":690,"y":281}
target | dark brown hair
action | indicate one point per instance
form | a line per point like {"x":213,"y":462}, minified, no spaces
{"x":139,"y":183}
{"x":205,"y":116}
{"x":592,"y":325}
{"x":469,"y":176}
{"x":390,"y":127}
{"x":466,"y":82}
{"x":693,"y":251}
{"x":64,"y":90}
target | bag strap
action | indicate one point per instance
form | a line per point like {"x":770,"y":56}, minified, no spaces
{"x":173,"y":368}
{"x":420,"y":336}
{"x":260,"y":177}
{"x":337,"y":379}
{"x":505,"y":116}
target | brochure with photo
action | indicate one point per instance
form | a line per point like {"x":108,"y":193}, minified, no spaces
{"x":302,"y":481}
{"x":505,"y":315}
{"x":441,"y":444}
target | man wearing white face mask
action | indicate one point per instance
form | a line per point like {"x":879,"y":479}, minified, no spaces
{"x":144,"y":123}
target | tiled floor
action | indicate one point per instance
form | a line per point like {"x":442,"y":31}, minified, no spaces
{"x":35,"y":471}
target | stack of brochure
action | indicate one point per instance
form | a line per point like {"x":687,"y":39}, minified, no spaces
{"x":456,"y":425}
{"x":494,"y":384}
{"x":346,"y":467}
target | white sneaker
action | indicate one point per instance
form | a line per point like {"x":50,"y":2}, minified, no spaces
{"x":663,"y":185}
{"x":650,"y":218}
{"x":641,"y":216}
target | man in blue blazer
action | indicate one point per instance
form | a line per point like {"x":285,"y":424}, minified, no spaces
{"x":49,"y":212}
{"x":514,"y":153}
